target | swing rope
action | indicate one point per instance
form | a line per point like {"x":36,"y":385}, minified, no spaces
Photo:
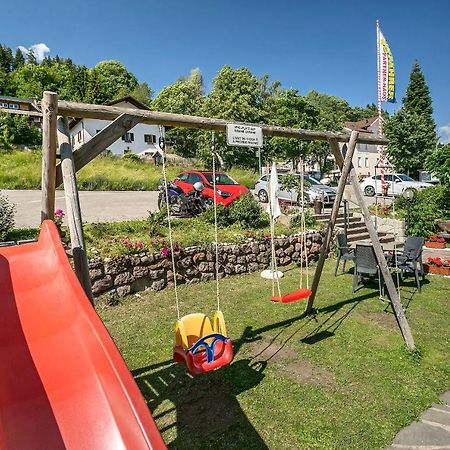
{"x":216,"y":233}
{"x":274,"y":266}
{"x":304,"y":247}
{"x":162,"y":146}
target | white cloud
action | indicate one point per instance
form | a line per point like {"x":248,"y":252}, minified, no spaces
{"x":39,"y":50}
{"x":444,"y":134}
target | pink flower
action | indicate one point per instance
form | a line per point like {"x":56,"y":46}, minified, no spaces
{"x":139,"y":244}
{"x":164,"y":251}
{"x":59,"y":213}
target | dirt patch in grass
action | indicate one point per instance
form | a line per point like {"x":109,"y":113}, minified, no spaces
{"x":385,"y":320}
{"x":291,"y":365}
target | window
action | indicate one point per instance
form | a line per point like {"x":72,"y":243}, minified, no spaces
{"x":128,"y":137}
{"x":366,"y":162}
{"x":13,"y":106}
{"x":221,"y":179}
{"x":359,"y":161}
{"x":3,"y":105}
{"x":79,"y":136}
{"x":150,"y":138}
{"x":193,"y":178}
{"x":388,"y":177}
{"x":377,"y":177}
{"x":183,"y":177}
{"x":73,"y":141}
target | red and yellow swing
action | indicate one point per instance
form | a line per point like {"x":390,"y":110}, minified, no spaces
{"x":274,"y":211}
{"x":199,"y":345}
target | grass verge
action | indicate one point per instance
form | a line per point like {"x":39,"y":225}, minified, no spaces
{"x":22,"y":170}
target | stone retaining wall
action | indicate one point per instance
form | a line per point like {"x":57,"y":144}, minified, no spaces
{"x":133,"y":273}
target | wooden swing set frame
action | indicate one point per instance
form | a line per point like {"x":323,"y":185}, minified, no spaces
{"x":56,"y":135}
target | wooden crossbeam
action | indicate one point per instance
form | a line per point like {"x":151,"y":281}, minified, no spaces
{"x":100,"y":142}
{"x":104,"y":112}
{"x":345,"y":170}
{"x":393,"y":294}
{"x":73,"y":212}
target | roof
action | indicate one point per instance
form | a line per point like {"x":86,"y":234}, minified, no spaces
{"x":128,"y":99}
{"x":361,"y":125}
{"x":15,"y":99}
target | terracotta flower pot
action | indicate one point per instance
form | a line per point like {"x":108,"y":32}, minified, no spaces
{"x":433,"y":244}
{"x":438,"y":270}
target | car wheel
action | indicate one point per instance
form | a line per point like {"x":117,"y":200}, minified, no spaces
{"x":369,"y":191}
{"x":263,"y":196}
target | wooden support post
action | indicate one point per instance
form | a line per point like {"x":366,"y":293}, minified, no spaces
{"x":49,"y":107}
{"x":393,"y":294}
{"x":73,"y":208}
{"x":345,"y":170}
{"x":100,"y":142}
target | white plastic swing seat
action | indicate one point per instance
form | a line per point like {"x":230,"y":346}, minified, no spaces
{"x":269,"y":274}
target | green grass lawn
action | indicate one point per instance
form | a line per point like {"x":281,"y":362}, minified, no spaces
{"x":22,"y":170}
{"x":339,"y":380}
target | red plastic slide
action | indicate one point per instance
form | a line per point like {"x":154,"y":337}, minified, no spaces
{"x":63,"y":383}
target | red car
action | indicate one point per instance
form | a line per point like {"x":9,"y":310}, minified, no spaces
{"x":227,"y":189}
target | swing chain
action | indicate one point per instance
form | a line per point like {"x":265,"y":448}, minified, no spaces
{"x":216,"y":233}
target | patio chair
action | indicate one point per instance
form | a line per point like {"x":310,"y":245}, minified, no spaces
{"x":366,"y":267}
{"x":410,"y":261}
{"x":343,"y":252}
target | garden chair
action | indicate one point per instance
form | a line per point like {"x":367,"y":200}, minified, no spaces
{"x":366,"y":267}
{"x":343,"y":252}
{"x":410,"y":261}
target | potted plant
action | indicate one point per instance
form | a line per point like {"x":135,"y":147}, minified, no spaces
{"x":435,"y":242}
{"x":437,"y":266}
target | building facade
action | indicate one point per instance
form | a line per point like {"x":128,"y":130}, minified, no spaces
{"x":21,"y":106}
{"x":139,"y":140}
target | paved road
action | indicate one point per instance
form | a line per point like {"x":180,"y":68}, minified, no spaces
{"x":96,"y":206}
{"x":101,"y":206}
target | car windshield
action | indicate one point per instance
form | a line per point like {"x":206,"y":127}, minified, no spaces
{"x":311,"y":180}
{"x":404,"y":177}
{"x":221,"y":179}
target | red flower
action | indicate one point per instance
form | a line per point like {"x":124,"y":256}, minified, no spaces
{"x":438,"y":262}
{"x":441,"y":240}
{"x":430,"y":260}
{"x":433,"y":238}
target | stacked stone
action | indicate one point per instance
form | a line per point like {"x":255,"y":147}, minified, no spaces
{"x":133,"y":273}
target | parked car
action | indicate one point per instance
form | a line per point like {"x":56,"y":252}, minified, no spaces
{"x":227,"y":189}
{"x":314,"y":191}
{"x":398,"y":183}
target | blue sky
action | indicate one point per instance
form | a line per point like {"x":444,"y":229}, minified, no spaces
{"x":324,"y":45}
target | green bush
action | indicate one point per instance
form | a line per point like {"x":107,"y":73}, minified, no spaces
{"x":132,"y":157}
{"x":7,"y":211}
{"x":244,"y":211}
{"x":430,"y":204}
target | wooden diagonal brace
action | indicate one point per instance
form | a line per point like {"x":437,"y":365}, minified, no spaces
{"x":393,"y":294}
{"x":100,"y":142}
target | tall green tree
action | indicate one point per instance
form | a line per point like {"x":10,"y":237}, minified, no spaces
{"x":411,"y":130}
{"x":109,"y":80}
{"x":19,"y":59}
{"x":185,"y":96}
{"x":235,"y":96}
{"x":438,"y":163}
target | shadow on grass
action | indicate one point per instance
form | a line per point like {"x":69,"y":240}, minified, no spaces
{"x":202,"y":411}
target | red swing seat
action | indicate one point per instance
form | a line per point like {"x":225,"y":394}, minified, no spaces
{"x":299,"y":294}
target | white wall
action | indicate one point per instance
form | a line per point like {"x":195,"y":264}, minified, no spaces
{"x":89,"y":127}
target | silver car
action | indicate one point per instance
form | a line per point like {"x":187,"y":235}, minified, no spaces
{"x":314,"y":191}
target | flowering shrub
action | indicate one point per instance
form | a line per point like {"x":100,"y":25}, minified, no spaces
{"x":434,"y":238}
{"x":438,"y":262}
{"x":133,"y":247}
{"x":164,"y":247}
{"x":58,"y":217}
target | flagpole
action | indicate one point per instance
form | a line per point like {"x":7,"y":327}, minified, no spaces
{"x":380,"y":124}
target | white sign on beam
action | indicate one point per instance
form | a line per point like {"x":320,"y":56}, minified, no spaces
{"x":244,"y":136}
